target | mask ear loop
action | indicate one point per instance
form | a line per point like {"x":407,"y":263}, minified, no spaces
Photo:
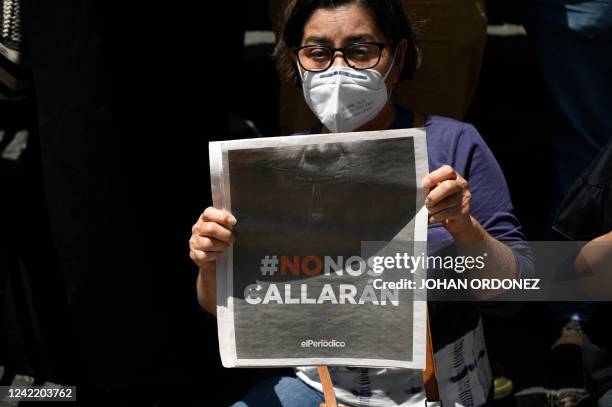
{"x":389,"y":71}
{"x":391,"y":66}
{"x":302,"y":74}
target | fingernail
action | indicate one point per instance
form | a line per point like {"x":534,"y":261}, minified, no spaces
{"x":232,"y":220}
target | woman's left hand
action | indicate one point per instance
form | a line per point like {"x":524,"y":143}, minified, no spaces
{"x":448,"y":200}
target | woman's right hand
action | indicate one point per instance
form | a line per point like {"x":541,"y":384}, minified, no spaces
{"x":210,"y":237}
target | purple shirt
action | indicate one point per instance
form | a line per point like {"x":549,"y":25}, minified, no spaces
{"x":457,"y":332}
{"x":459,"y":145}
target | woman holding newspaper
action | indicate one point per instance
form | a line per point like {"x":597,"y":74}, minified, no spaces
{"x":348,"y":56}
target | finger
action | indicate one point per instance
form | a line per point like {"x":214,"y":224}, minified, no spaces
{"x":213,"y":230}
{"x":221,"y":216}
{"x":443,"y":173}
{"x":200,"y":257}
{"x":444,"y":190}
{"x":446,"y":214}
{"x":446,"y":203}
{"x":462,"y":209}
{"x":207,"y":244}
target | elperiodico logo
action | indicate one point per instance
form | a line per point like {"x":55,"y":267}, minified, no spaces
{"x":322,"y":343}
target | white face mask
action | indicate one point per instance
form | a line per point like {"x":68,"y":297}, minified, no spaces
{"x":344,"y":98}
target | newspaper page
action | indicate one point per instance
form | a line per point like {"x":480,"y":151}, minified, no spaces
{"x":298,"y":287}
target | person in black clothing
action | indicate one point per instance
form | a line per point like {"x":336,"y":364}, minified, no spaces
{"x":122,"y":136}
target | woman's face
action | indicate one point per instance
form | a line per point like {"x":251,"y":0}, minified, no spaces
{"x":348,"y":24}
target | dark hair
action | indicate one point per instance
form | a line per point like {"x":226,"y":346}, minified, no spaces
{"x":389,"y":16}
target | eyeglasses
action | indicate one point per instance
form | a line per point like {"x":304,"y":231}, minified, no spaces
{"x":362,"y":55}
